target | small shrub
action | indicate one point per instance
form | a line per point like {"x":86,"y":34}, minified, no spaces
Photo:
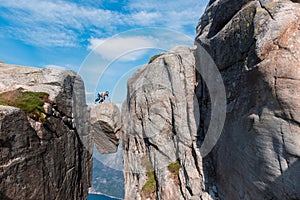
{"x":150,"y":185}
{"x":30,"y":102}
{"x":174,"y":167}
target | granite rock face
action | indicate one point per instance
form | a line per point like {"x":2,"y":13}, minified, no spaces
{"x":256,"y":46}
{"x":160,"y":153}
{"x":106,"y":127}
{"x":50,"y":159}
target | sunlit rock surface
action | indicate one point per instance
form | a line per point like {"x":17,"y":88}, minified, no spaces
{"x":106,"y":127}
{"x":49,"y":158}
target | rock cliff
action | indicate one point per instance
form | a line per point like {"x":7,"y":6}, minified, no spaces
{"x":256,"y":46}
{"x":45,"y":146}
{"x":160,"y":153}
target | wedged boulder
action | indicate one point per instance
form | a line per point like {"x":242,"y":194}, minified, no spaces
{"x":106,"y":127}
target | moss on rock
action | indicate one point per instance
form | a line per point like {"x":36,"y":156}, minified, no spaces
{"x":150,"y":186}
{"x":174,"y":167}
{"x":29,"y":102}
{"x":154,"y":57}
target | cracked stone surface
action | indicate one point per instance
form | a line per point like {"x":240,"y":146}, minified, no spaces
{"x":256,"y":46}
{"x":160,"y":128}
{"x":50,"y":160}
{"x":106,"y":127}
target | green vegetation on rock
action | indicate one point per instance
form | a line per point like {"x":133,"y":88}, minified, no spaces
{"x":174,"y":167}
{"x":30,"y":102}
{"x":150,"y":185}
{"x":154,"y":57}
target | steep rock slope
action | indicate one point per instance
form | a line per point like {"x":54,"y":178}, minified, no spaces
{"x":45,"y":153}
{"x":256,"y":46}
{"x":160,"y":153}
{"x":106,"y":127}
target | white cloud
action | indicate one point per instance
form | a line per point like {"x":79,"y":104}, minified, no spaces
{"x":55,"y":23}
{"x":59,"y":12}
{"x":43,"y":36}
{"x":130,"y":48}
{"x":169,"y":14}
{"x":144,"y":18}
{"x":65,"y":23}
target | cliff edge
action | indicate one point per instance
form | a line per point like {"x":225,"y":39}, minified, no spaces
{"x":46,"y":149}
{"x":255,"y":46}
{"x":161,"y":157}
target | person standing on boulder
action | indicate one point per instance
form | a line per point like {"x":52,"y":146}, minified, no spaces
{"x":101,"y":97}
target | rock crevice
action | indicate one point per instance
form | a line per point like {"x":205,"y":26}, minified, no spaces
{"x":160,"y":103}
{"x":255,"y":45}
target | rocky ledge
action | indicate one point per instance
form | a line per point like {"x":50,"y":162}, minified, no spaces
{"x":45,"y":146}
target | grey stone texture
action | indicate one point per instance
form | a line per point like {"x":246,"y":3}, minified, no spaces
{"x":49,"y":160}
{"x":256,"y":46}
{"x":106,"y":127}
{"x":160,"y":128}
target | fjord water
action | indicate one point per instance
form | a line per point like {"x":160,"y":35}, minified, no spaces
{"x":99,"y":197}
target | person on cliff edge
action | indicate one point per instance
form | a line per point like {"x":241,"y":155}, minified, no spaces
{"x":101,"y":97}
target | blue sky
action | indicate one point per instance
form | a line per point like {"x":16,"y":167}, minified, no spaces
{"x":104,"y":41}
